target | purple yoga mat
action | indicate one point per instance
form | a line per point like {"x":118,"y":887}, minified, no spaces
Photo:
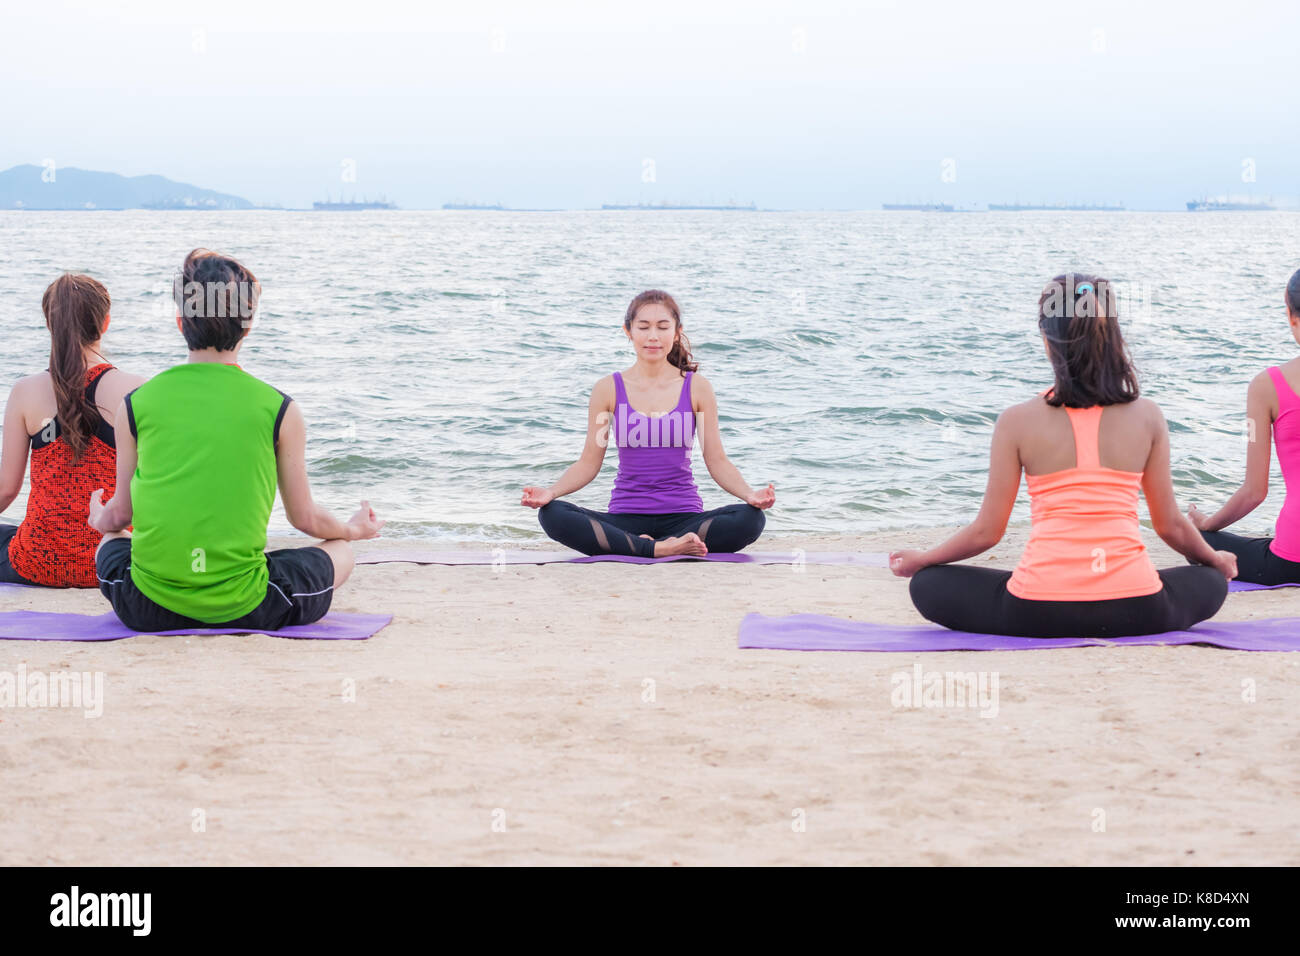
{"x":571,"y":557}
{"x":1248,"y":586}
{"x":46,"y":626}
{"x":815,"y":632}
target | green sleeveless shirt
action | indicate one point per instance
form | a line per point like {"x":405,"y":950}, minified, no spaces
{"x":203,"y":488}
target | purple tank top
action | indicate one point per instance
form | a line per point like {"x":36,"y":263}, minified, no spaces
{"x":654,"y":457}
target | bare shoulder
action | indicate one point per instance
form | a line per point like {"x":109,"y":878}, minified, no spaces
{"x":702,"y":395}
{"x":602,"y":393}
{"x":1261,"y":384}
{"x":1148,"y":410}
{"x":31,"y":389}
{"x":1148,"y":416}
{"x":31,"y":383}
{"x":1023,"y":413}
{"x":115,"y":386}
{"x":123,"y":381}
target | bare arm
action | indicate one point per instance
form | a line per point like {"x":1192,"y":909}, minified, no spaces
{"x":1259,"y":457}
{"x":583,"y":471}
{"x":295,"y":490}
{"x":113,"y":387}
{"x":716,"y":461}
{"x":115,"y":515}
{"x":16,"y":444}
{"x":1172,"y":525}
{"x":991,"y":522}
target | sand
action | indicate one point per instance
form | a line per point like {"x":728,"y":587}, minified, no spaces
{"x":603,"y":714}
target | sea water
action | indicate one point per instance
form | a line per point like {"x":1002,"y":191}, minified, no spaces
{"x":443,"y":360}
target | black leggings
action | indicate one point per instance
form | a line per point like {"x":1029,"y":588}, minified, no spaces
{"x":1255,"y":562}
{"x":967,"y":598}
{"x":598,"y":532}
{"x":7,"y":573}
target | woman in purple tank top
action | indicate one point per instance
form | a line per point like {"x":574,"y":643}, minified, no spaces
{"x":1272,"y":407}
{"x":655,"y":509}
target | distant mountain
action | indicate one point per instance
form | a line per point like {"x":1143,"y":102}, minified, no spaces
{"x":25,"y":187}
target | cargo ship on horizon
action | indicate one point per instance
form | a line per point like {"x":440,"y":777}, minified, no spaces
{"x":1225,"y":204}
{"x":917,"y":207}
{"x":681,"y":207}
{"x":1054,"y":207}
{"x":352,"y":205}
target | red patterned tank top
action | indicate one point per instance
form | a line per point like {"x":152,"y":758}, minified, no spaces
{"x":54,"y":546}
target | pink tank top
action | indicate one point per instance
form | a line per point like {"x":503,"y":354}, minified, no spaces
{"x":1084,"y":544}
{"x":1286,"y":437}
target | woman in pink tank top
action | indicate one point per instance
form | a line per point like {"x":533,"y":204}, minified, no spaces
{"x":1086,"y":446}
{"x":655,"y":509}
{"x":1272,"y":407}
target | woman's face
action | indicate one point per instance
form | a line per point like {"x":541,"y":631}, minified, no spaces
{"x":653,"y":331}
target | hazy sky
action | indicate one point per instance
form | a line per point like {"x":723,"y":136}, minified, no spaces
{"x":789,"y":104}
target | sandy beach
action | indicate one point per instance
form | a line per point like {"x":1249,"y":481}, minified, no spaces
{"x":602,"y":714}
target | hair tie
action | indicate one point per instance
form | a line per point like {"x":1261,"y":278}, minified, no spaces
{"x":1083,"y":287}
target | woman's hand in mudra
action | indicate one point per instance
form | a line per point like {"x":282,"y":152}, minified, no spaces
{"x":536,"y":497}
{"x":763,"y":498}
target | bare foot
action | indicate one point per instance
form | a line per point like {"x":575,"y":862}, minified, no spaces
{"x":686,"y":544}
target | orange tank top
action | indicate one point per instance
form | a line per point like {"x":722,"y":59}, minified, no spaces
{"x":1084,"y":544}
{"x":54,"y":545}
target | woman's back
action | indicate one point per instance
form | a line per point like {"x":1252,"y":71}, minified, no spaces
{"x":54,"y":546}
{"x":1084,"y":467}
{"x":40,"y":405}
{"x":1047,"y":439}
{"x":61,"y":420}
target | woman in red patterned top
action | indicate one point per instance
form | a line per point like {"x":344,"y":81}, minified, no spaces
{"x":64,"y":416}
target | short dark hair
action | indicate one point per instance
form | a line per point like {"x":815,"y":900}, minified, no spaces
{"x":216,"y":298}
{"x":1293,"y":293}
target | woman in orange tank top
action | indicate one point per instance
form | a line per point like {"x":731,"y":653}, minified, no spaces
{"x":63,"y":419}
{"x":1086,"y":446}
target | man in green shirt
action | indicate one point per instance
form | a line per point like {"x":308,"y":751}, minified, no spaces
{"x":201,"y":448}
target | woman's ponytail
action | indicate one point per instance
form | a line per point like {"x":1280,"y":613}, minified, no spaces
{"x":1077,"y":314}
{"x":75,"y":307}
{"x":680,"y":354}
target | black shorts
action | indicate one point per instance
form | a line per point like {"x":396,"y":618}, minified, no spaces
{"x":7,"y":573}
{"x":299,"y":592}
